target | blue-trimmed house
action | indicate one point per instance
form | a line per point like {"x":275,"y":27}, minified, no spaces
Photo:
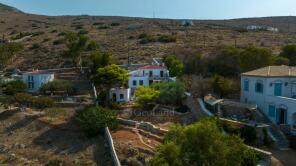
{"x":273,"y":90}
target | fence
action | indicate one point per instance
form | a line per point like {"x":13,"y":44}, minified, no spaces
{"x":108,"y":135}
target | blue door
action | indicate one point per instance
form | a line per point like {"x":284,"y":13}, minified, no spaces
{"x":278,"y":89}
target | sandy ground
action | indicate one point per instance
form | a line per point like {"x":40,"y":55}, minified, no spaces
{"x":28,"y":140}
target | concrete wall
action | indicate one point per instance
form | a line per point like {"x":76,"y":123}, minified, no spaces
{"x":118,"y":91}
{"x":114,"y":156}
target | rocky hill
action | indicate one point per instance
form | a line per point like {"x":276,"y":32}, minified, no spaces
{"x":9,"y":8}
{"x":42,"y":36}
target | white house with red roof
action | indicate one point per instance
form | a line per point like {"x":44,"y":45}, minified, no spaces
{"x":36,"y":79}
{"x":146,"y":75}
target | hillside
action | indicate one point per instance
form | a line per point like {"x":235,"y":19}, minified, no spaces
{"x":41,"y":36}
{"x":8,"y":8}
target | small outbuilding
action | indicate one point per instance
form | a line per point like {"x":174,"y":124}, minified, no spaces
{"x":120,"y":94}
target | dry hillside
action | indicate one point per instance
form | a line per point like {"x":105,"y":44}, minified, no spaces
{"x":205,"y":36}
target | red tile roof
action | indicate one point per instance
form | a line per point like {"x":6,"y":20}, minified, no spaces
{"x":152,"y":67}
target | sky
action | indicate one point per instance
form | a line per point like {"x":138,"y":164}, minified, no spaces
{"x":175,"y":9}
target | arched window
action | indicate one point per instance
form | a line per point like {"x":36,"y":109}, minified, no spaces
{"x":246,"y":84}
{"x":259,"y":86}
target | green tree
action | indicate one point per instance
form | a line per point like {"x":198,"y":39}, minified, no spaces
{"x":223,"y":86}
{"x":227,"y":61}
{"x":93,"y":120}
{"x":254,"y":58}
{"x":93,"y":46}
{"x":175,"y":66}
{"x":8,"y":53}
{"x":146,"y":95}
{"x":196,"y":65}
{"x":289,"y":52}
{"x":14,"y":87}
{"x":76,"y":44}
{"x":203,"y":143}
{"x":109,"y":76}
{"x":170,"y":92}
{"x":98,"y":60}
{"x":279,"y":60}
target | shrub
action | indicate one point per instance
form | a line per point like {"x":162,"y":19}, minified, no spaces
{"x":54,"y":31}
{"x":115,"y":24}
{"x":170,"y":92}
{"x":62,"y":34}
{"x":167,"y":39}
{"x":58,"y":86}
{"x":58,"y":41}
{"x":83,"y":32}
{"x":14,"y":87}
{"x":93,"y":120}
{"x":98,"y":23}
{"x":31,"y":101}
{"x":143,"y":35}
{"x":146,"y":95}
{"x":103,"y":27}
{"x":203,"y":143}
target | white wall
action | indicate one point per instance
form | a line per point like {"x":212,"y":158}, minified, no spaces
{"x":263,"y":100}
{"x":137,"y":79}
{"x":126,"y":94}
{"x":39,"y":80}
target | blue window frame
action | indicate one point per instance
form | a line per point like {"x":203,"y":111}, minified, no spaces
{"x":246,"y":85}
{"x":271,"y":110}
{"x":278,"y":89}
{"x":259,"y":87}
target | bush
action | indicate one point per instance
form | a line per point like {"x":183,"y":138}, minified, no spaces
{"x":170,"y":92}
{"x":58,"y":86}
{"x":93,"y":120}
{"x":103,"y":27}
{"x":146,"y":95}
{"x":115,"y":24}
{"x":62,"y":34}
{"x":58,"y":42}
{"x":167,"y":38}
{"x":14,"y":87}
{"x":203,"y":143}
{"x":31,"y":101}
{"x":83,"y":32}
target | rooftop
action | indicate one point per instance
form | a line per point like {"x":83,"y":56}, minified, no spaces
{"x":273,"y":71}
{"x":152,"y":67}
{"x":38,"y":72}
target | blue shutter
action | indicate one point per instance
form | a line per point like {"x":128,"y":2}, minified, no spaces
{"x":278,"y":89}
{"x":271,"y":110}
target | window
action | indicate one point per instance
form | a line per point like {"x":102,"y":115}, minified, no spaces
{"x":271,"y":110}
{"x":150,"y":73}
{"x":121,"y":96}
{"x":134,"y":82}
{"x":259,"y":87}
{"x":246,"y":85}
{"x":141,"y":82}
{"x":161,"y":73}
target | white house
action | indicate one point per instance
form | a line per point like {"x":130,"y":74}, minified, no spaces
{"x":146,"y":75}
{"x":36,"y":79}
{"x":120,"y":94}
{"x":273,"y":89}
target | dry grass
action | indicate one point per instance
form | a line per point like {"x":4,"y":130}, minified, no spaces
{"x":204,"y":36}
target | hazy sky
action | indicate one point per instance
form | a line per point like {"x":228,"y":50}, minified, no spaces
{"x":197,"y":9}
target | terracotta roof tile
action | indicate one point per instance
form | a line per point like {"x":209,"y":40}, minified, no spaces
{"x":273,"y":71}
